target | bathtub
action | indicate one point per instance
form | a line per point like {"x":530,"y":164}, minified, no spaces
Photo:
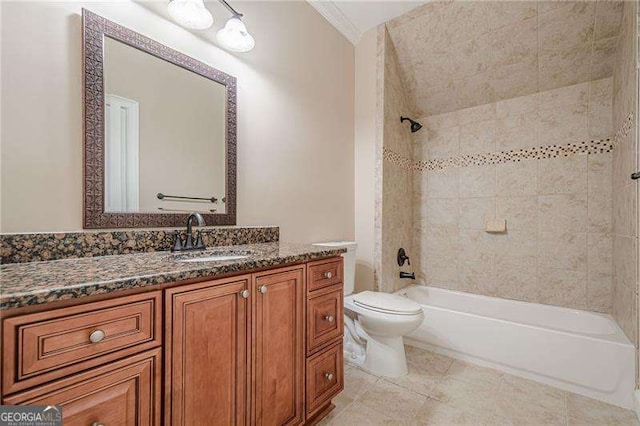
{"x":578,"y":351}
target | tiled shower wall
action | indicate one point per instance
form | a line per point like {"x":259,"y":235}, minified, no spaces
{"x":557,"y":248}
{"x":625,"y":191}
{"x":394,"y":215}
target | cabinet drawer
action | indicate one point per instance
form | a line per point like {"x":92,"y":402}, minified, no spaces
{"x":48,"y":345}
{"x":324,"y":318}
{"x":126,"y":393}
{"x":324,"y":273}
{"x":324,"y":377}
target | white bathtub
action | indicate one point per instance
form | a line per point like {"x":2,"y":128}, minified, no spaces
{"x":579,"y":351}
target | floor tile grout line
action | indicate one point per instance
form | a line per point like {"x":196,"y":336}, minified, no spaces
{"x":394,"y":384}
{"x":492,"y":414}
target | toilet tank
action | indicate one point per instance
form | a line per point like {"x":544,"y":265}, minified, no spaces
{"x":349,"y":262}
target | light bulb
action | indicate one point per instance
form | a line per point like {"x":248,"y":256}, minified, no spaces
{"x":234,"y":36}
{"x":190,"y":14}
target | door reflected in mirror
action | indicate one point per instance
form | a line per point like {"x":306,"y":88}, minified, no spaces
{"x":165,"y":136}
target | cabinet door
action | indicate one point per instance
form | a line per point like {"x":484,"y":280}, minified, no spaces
{"x":206,"y":368}
{"x":124,"y":393}
{"x":279,"y":346}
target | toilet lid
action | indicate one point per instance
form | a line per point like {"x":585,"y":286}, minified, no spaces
{"x":386,"y":303}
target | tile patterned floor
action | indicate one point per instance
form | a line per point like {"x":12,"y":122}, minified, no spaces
{"x":442,"y":391}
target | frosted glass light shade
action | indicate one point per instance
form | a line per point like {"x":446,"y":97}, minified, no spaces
{"x":190,"y":14}
{"x":234,"y":36}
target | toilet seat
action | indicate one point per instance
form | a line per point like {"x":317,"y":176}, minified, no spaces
{"x":386,"y":303}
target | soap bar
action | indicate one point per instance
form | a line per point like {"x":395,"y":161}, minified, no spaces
{"x":495,"y":225}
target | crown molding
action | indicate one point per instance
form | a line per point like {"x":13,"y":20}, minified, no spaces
{"x":334,"y":15}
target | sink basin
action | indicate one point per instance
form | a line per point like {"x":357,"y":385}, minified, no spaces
{"x":214,"y":258}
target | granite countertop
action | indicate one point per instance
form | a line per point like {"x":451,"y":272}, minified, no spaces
{"x":33,"y":283}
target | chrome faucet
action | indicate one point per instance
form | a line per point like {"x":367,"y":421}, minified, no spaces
{"x":188,"y":244}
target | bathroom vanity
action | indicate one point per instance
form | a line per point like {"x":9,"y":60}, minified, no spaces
{"x":119,"y":331}
{"x":250,"y":341}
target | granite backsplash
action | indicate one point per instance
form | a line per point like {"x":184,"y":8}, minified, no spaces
{"x":33,"y":247}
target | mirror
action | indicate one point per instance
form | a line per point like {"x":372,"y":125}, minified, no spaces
{"x":159,"y":132}
{"x":164,"y":134}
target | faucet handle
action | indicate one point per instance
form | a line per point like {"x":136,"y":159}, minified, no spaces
{"x":188,"y":244}
{"x":199,"y":242}
{"x":402,"y":257}
{"x":177,"y":243}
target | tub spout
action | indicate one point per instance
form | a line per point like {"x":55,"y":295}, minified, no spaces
{"x":411,"y":275}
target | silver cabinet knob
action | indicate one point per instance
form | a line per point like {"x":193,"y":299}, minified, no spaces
{"x":328,"y":376}
{"x":97,"y":424}
{"x":96,"y":336}
{"x":262,"y":289}
{"x":327,"y":275}
{"x":329,"y":318}
{"x":245,"y":294}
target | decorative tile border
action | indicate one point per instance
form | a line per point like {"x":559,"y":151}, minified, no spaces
{"x":623,"y":131}
{"x":20,"y":248}
{"x":397,"y":159}
{"x":600,"y":146}
{"x":536,"y":153}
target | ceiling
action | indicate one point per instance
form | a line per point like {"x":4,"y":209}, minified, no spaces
{"x":352,"y":18}
{"x":459,"y":54}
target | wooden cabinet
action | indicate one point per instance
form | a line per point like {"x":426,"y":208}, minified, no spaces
{"x":52,"y":344}
{"x":125,"y":393}
{"x":206,"y":353}
{"x":279,"y":347}
{"x":324,"y":370}
{"x":324,"y":318}
{"x":324,"y":377}
{"x":252,"y":349}
{"x":218,"y":332}
{"x":324,"y":273}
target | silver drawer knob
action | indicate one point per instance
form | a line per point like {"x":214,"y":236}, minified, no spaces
{"x":96,"y":336}
{"x":245,"y":294}
{"x":328,"y":318}
{"x":327,"y":275}
{"x":262,"y":289}
{"x":328,"y":376}
{"x":97,"y":424}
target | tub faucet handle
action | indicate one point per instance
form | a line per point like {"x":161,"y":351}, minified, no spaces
{"x":402,"y":257}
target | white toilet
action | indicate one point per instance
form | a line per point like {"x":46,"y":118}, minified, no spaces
{"x":375,"y":322}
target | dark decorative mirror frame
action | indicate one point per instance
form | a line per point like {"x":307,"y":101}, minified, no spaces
{"x":94,"y":29}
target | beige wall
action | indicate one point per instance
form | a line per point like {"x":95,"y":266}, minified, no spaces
{"x":397,"y":183}
{"x":557,"y":248}
{"x":365,"y":145}
{"x":625,"y":191}
{"x":295,"y":114}
{"x":181,"y":128}
{"x":501,"y":49}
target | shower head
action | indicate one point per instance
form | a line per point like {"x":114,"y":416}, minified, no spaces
{"x":415,"y":126}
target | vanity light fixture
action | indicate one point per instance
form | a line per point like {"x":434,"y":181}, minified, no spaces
{"x":190,"y":14}
{"x":194,"y":15}
{"x":234,"y":36}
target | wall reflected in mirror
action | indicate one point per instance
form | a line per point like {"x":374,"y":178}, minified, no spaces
{"x":164,"y":134}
